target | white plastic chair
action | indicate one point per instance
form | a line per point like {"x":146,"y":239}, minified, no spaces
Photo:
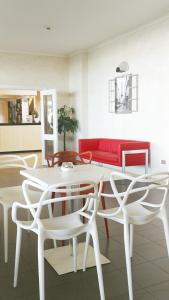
{"x":8,"y":195}
{"x":59,"y":228}
{"x":138,"y":212}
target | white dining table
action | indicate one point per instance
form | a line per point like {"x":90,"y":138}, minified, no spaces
{"x":60,"y":258}
{"x":49,"y":176}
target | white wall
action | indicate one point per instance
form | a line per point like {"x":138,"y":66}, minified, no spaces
{"x":29,"y":71}
{"x":147,"y":52}
{"x":78,"y":88}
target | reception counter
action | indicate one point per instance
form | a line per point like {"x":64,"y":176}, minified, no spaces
{"x":20,"y":137}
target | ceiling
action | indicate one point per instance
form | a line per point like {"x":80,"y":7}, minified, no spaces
{"x":76,"y":25}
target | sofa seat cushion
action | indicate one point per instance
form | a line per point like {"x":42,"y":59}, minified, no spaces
{"x":105,"y":157}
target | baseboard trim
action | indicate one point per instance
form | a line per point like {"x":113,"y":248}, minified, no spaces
{"x":24,"y":151}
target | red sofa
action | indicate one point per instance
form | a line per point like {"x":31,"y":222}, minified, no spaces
{"x":111,"y":151}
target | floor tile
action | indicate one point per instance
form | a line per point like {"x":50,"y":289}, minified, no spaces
{"x":148,"y":274}
{"x":150,"y":251}
{"x":160,"y":291}
{"x":154,"y":234}
{"x":138,"y":295}
{"x":163,"y":263}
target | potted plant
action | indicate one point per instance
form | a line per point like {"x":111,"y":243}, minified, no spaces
{"x":67,"y":123}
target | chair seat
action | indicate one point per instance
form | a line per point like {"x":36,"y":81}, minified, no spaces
{"x":137,"y":213}
{"x":60,"y":227}
{"x":9,"y":195}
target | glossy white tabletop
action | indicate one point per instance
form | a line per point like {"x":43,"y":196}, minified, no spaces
{"x":49,"y":176}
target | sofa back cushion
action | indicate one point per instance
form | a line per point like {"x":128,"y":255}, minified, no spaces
{"x":88,"y":144}
{"x":109,"y":145}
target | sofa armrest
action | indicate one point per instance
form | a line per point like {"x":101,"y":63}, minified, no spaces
{"x":88,"y":144}
{"x":127,"y":146}
{"x":133,"y":146}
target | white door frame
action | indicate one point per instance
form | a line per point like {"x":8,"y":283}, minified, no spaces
{"x":49,"y":136}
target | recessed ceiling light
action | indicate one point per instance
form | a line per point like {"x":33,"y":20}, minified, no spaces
{"x":48,"y":27}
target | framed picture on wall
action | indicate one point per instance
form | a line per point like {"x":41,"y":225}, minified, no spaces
{"x":123,"y":94}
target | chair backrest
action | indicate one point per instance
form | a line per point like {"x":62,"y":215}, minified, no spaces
{"x":63,"y":193}
{"x":17,"y":161}
{"x":140,"y":187}
{"x":67,"y":156}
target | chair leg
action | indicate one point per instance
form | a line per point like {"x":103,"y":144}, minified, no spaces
{"x":63,"y":203}
{"x":75,"y":254}
{"x":166,"y":227}
{"x":86,"y":251}
{"x":63,"y":208}
{"x":51,"y":216}
{"x":128,"y":260}
{"x":63,"y":213}
{"x":131,"y":239}
{"x":41,"y":267}
{"x":6,"y":234}
{"x":94,"y":235}
{"x":52,"y":205}
{"x":17,"y":254}
{"x":105,"y":220}
{"x":83,"y":203}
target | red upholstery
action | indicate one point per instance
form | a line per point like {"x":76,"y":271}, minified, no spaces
{"x":109,"y":151}
{"x":109,"y":145}
{"x":89,"y":143}
{"x":101,"y":156}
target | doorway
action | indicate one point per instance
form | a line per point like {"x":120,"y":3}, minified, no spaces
{"x":28,"y":121}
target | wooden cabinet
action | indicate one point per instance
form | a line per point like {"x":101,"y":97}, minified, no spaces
{"x":20,"y":138}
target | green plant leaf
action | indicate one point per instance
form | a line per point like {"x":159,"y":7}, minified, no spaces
{"x":67,"y":123}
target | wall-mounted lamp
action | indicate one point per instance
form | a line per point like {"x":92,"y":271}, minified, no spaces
{"x":123,"y":67}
